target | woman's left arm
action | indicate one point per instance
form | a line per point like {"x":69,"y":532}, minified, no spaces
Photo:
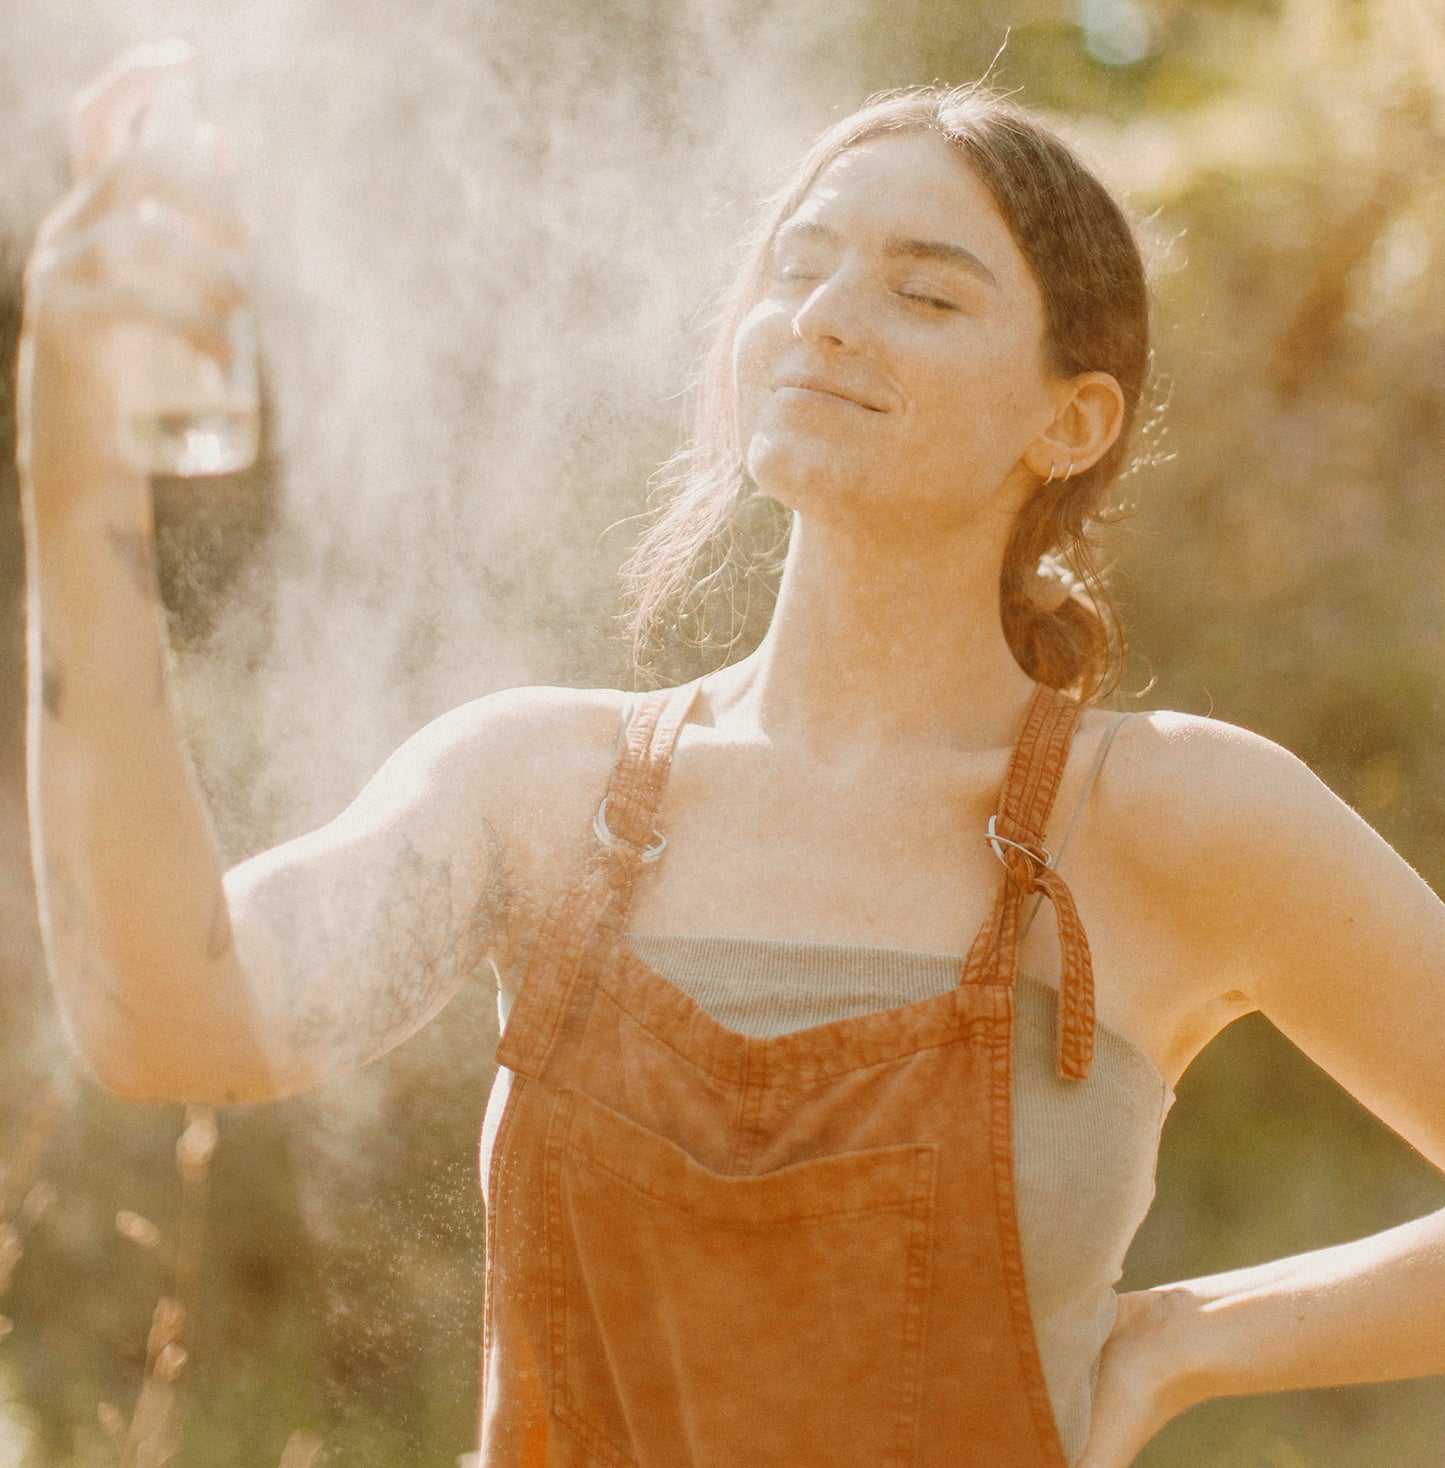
{"x":1285,"y":894}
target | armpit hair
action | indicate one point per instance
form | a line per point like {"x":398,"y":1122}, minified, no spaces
{"x":407,"y":948}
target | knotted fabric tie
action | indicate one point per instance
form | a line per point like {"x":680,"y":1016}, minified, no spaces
{"x":1030,"y":786}
{"x":1029,"y":870}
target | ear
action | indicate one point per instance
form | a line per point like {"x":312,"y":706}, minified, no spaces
{"x":1088,"y":417}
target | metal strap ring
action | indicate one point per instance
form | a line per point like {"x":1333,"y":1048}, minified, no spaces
{"x":1039,"y":854}
{"x":605,"y":836}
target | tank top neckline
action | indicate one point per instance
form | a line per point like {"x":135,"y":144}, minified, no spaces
{"x":897,"y":955}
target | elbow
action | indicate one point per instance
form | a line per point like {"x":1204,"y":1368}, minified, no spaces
{"x":142,"y":1049}
{"x":155,"y":1084}
{"x":148,"y":1074}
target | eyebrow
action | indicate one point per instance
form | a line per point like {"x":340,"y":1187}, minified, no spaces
{"x":941,"y":250}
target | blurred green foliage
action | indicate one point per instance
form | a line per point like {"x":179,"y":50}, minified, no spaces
{"x":1281,"y":569}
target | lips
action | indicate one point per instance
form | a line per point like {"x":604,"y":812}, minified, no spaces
{"x":828,"y":387}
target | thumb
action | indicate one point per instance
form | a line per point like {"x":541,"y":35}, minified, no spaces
{"x":106,"y":112}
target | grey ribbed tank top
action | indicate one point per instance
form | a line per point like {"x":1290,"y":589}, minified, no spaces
{"x":1084,"y":1153}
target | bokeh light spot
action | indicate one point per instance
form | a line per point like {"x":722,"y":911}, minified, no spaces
{"x":1116,"y":32}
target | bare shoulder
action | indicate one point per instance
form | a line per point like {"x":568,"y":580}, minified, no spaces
{"x":1164,"y":744}
{"x":1183,"y":786}
{"x":564,"y":715}
{"x":529,"y":727}
{"x":512,"y":756}
{"x":356,"y":934}
{"x":1275,"y":886}
{"x":1251,"y":855}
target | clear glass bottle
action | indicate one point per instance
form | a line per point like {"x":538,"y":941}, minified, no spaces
{"x":183,"y":412}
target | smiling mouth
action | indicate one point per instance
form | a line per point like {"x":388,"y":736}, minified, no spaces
{"x":820,"y":392}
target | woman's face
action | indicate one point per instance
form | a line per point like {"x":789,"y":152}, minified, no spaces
{"x":895,"y":361}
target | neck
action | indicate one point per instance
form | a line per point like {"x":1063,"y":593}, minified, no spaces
{"x":898,"y":644}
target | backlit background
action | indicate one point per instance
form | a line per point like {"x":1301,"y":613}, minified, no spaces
{"x":489,"y":234}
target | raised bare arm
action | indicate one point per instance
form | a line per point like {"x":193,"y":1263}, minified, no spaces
{"x":312,"y":958}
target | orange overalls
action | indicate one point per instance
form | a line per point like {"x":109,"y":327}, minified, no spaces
{"x":714,"y":1250}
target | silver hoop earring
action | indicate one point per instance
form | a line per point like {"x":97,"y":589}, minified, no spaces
{"x":1069,"y":474}
{"x":1050,"y":479}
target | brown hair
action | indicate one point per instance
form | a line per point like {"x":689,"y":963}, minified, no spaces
{"x":1084,"y":257}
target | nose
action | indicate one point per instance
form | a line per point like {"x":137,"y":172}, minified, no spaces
{"x":832,"y":313}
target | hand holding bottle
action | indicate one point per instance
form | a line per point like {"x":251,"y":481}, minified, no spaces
{"x":135,"y":341}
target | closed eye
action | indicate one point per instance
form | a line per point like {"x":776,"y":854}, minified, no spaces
{"x":936,"y":301}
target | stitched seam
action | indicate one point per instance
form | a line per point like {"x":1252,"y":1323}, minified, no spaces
{"x":557,"y":1264}
{"x":904,"y":1207}
{"x":558,"y":1135}
{"x":920,"y":1289}
{"x":1036,"y":768}
{"x":970,"y":1030}
{"x":581,"y":1428}
{"x":974,"y":1029}
{"x":626,"y":789}
{"x":746,"y":1118}
{"x":640,"y":775}
{"x":537,"y":1011}
{"x":1011,"y":1257}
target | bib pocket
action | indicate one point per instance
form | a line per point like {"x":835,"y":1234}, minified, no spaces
{"x":684,"y":1304}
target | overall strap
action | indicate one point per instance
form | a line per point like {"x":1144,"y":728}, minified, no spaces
{"x":1016,"y":834}
{"x":624,"y":822}
{"x":1089,"y":782}
{"x":582,"y":924}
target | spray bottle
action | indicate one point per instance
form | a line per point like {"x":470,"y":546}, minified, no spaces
{"x":186,"y":413}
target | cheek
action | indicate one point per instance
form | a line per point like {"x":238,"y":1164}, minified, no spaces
{"x":992,"y":394}
{"x":764,"y":333}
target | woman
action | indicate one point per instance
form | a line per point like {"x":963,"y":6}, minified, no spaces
{"x":809,"y":1144}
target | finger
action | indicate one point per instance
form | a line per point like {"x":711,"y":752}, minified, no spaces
{"x":168,"y":307}
{"x":139,"y":175}
{"x":153,"y":245}
{"x":104,"y":113}
{"x":190,"y":285}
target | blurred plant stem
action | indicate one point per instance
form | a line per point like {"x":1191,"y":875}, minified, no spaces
{"x":21,"y":1202}
{"x":301,"y":1451}
{"x":35,"y":1133}
{"x":154,"y":1433}
{"x":193,"y":1161}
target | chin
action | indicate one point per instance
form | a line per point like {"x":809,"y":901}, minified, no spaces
{"x":817,"y":494}
{"x":803,"y":474}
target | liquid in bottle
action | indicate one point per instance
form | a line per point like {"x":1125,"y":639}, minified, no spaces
{"x":184,"y":412}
